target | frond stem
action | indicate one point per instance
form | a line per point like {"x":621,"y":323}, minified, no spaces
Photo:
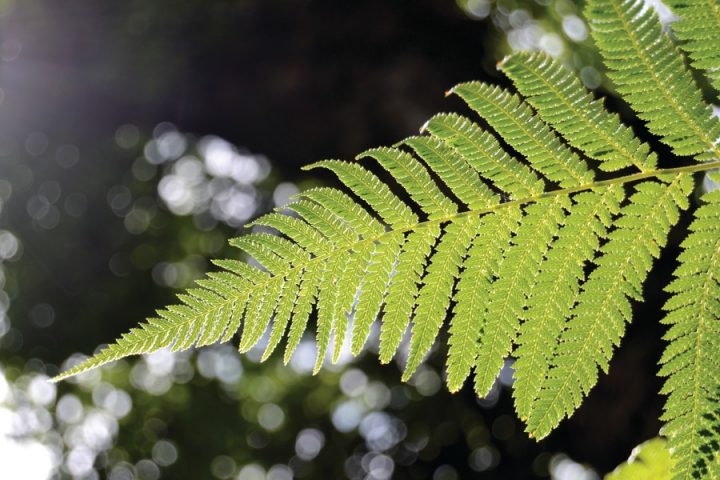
{"x":702,"y":167}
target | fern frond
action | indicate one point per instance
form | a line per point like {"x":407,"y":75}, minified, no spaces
{"x":521,"y":128}
{"x":598,"y":321}
{"x":557,"y":287}
{"x":561,"y":100}
{"x":698,"y":28}
{"x":690,"y":361}
{"x":649,"y":72}
{"x":506,"y":243}
{"x":516,"y":277}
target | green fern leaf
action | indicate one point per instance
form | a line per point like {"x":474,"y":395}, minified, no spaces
{"x":303,"y":307}
{"x":403,"y":288}
{"x":599,"y":318}
{"x":297,"y":230}
{"x":562,"y":101}
{"x":484,"y":153}
{"x":691,"y":362}
{"x":324,"y":221}
{"x":698,"y":27}
{"x":260,"y":311}
{"x":473,"y":291}
{"x":434,"y":296}
{"x":374,"y":287}
{"x":649,"y":72}
{"x":516,"y":278}
{"x":521,"y":128}
{"x":557,"y":287}
{"x":453,"y":170}
{"x":416,"y":180}
{"x":498,"y":247}
{"x":368,"y":187}
{"x":345,"y":208}
{"x":289,"y":298}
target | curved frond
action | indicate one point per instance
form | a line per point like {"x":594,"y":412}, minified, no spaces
{"x":536,"y":258}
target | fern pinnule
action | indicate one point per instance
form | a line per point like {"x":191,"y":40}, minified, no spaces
{"x":649,"y":72}
{"x":403,"y":289}
{"x":515,"y":121}
{"x":561,"y":100}
{"x":434,"y":296}
{"x":485,"y":154}
{"x":481,"y":266}
{"x":690,"y":361}
{"x":516,"y":278}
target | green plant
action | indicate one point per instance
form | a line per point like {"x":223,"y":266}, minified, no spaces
{"x":540,"y":262}
{"x":648,"y":461}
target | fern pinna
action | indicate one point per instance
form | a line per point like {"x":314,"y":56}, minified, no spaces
{"x":535,"y":256}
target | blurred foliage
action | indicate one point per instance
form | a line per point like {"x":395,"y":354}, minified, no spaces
{"x":553,"y":26}
{"x":648,"y":461}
